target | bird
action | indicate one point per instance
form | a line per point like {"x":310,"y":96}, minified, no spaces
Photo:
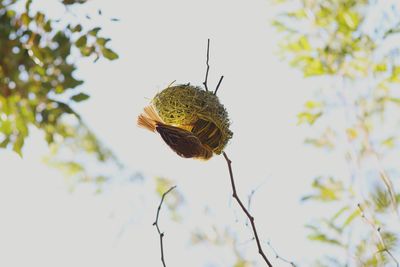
{"x":183,"y":142}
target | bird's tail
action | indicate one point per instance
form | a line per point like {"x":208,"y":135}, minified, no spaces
{"x":149,"y":119}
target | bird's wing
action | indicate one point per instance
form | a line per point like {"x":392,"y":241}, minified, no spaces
{"x":183,"y":142}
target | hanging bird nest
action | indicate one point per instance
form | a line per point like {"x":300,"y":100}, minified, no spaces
{"x":190,"y":120}
{"x":196,"y":110}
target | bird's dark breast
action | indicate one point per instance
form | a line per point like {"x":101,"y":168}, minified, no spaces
{"x":183,"y":142}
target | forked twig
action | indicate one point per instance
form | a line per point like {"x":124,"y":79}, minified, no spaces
{"x":158,"y":228}
{"x":377,"y":231}
{"x":251,"y":218}
{"x":208,"y":66}
{"x":205,"y":83}
{"x":277,"y":256}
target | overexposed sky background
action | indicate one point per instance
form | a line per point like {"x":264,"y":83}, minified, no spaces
{"x":158,"y":41}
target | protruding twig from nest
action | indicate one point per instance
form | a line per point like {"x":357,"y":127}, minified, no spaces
{"x":219,"y":83}
{"x":208,"y":66}
{"x":251,"y":218}
{"x":158,"y":228}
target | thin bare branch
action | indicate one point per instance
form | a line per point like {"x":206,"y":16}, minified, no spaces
{"x":277,"y":256}
{"x":377,"y":231}
{"x":208,"y":66}
{"x":250,"y":198}
{"x":161,"y":234}
{"x":252,"y":193}
{"x":251,"y":218}
{"x":219,"y":83}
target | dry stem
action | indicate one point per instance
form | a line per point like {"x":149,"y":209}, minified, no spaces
{"x":251,"y":218}
{"x":161,"y":234}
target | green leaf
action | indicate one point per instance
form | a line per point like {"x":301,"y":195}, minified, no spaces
{"x":380,"y":67}
{"x":28,"y":5}
{"x":87,"y":50}
{"x":391,"y":239}
{"x":162,"y":185}
{"x":18,"y":144}
{"x":6,"y":127}
{"x":10,"y":13}
{"x":394,"y":78}
{"x":350,"y":19}
{"x":302,"y":44}
{"x":326,"y":189}
{"x":102,"y":41}
{"x":80,"y":97}
{"x":39,"y":18}
{"x":77,"y":28}
{"x":389,"y":142}
{"x":67,"y":109}
{"x":5,"y":142}
{"x":59,"y":89}
{"x":356,"y":213}
{"x":311,"y":104}
{"x":25,"y":19}
{"x":36,"y":55}
{"x":394,"y":100}
{"x":47,"y":26}
{"x":320,"y":237}
{"x":380,"y":198}
{"x":321,"y":142}
{"x":94,"y":31}
{"x":109,"y":54}
{"x":70,"y":168}
{"x":71,"y":82}
{"x":81,"y":42}
{"x":314,"y":68}
{"x":298,"y":14}
{"x":21,"y":125}
{"x":340,"y":212}
{"x":307,"y":117}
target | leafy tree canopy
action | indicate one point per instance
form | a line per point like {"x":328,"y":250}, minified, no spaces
{"x":38,"y":83}
{"x":351,"y":46}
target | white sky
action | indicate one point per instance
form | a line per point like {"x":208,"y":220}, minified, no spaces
{"x":160,"y":41}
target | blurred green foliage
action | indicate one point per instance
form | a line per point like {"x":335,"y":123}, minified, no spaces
{"x":351,"y":48}
{"x":38,"y":83}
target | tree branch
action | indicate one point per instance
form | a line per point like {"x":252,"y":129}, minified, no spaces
{"x":208,"y":66}
{"x":277,"y":256}
{"x":377,"y":231}
{"x":158,"y":228}
{"x":251,"y":218}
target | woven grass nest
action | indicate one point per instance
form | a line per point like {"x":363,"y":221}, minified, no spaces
{"x":190,"y":119}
